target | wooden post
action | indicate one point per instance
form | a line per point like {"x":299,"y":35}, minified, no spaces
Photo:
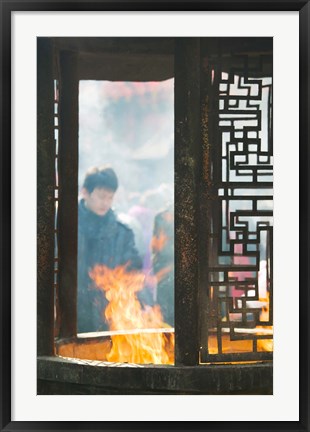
{"x":187,"y":162}
{"x":68,"y":193}
{"x":45,"y":198}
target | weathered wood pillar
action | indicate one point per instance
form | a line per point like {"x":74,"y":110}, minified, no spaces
{"x":45,"y":198}
{"x":68,"y":193}
{"x":187,"y":162}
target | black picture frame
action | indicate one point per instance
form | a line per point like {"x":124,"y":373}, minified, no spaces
{"x":7,"y":7}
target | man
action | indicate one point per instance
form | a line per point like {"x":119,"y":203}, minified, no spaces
{"x":102,"y":239}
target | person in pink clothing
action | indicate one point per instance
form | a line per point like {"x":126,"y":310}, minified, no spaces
{"x":240,"y":259}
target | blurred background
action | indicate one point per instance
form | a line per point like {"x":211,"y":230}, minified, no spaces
{"x":130,"y":126}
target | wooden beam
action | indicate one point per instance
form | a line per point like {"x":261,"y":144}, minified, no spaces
{"x":59,"y":376}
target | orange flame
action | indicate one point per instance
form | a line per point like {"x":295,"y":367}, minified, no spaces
{"x":145,"y":341}
{"x":245,"y":345}
{"x":265,"y":344}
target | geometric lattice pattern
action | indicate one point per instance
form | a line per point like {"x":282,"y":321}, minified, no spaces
{"x":239,"y":284}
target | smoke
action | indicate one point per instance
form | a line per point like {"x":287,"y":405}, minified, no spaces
{"x":130,"y":126}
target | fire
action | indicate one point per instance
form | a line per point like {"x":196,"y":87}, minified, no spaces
{"x":265,"y":344}
{"x":264,"y":300}
{"x":246,"y":345}
{"x":141,"y":338}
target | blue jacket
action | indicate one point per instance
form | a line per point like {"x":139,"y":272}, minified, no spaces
{"x":101,"y":240}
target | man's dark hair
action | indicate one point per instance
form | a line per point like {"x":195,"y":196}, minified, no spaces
{"x":102,"y":177}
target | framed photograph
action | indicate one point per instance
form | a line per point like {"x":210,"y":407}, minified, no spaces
{"x":155,"y":185}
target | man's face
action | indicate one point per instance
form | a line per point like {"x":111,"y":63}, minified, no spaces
{"x":99,"y":201}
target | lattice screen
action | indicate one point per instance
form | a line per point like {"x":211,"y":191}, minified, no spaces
{"x":237,"y":310}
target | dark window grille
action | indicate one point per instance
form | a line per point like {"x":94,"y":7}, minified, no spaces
{"x":236,"y":313}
